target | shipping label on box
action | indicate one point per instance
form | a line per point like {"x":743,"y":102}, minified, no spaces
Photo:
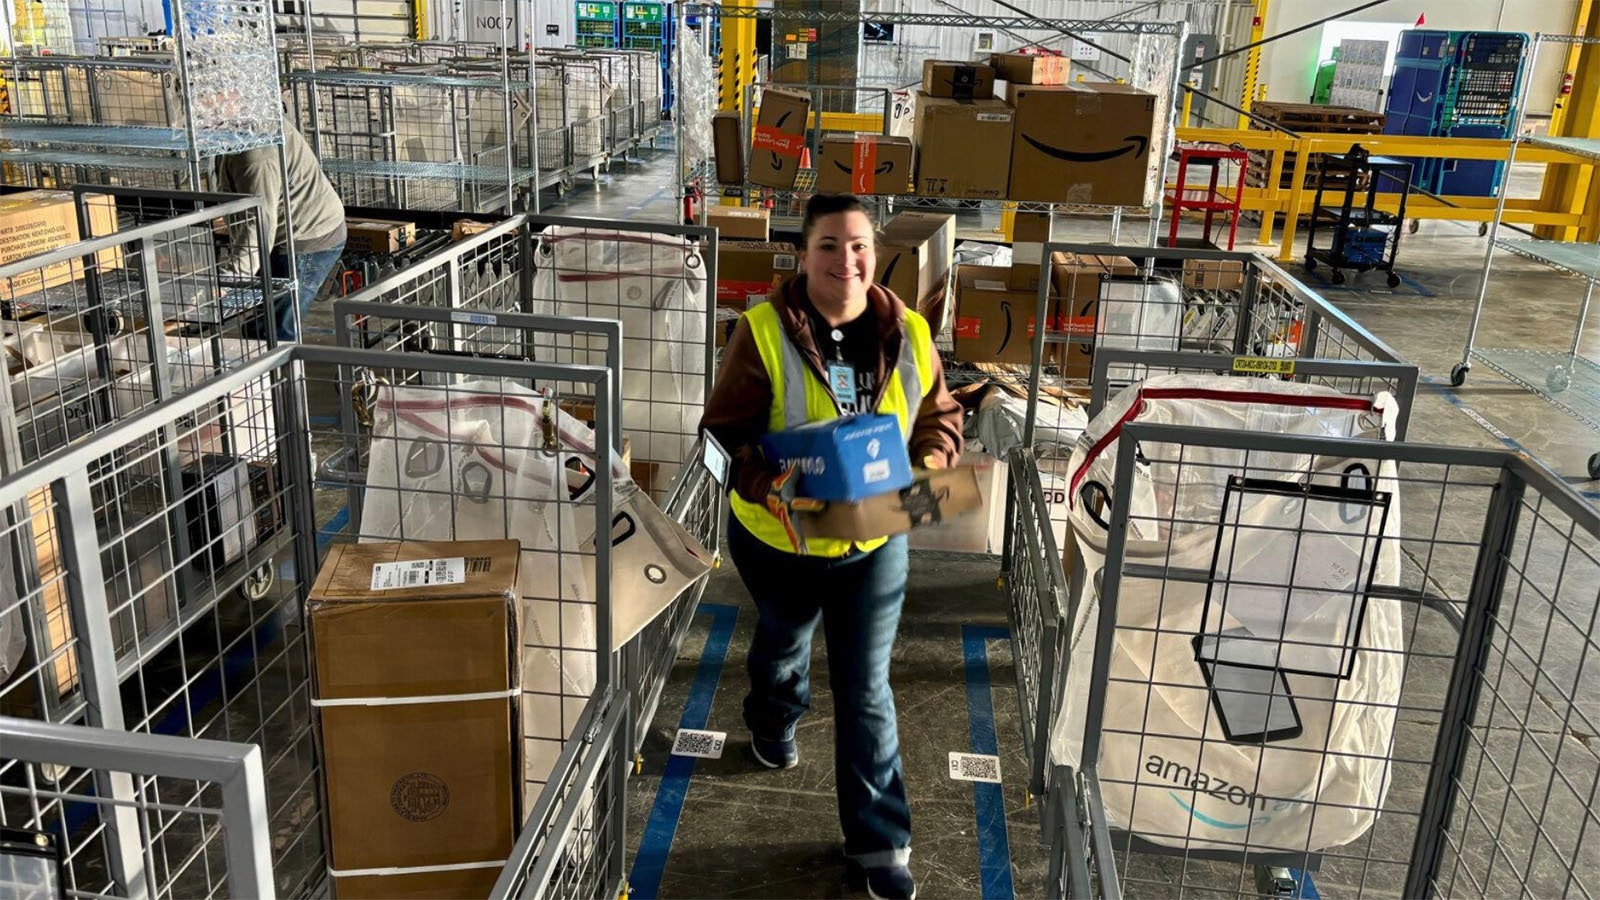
{"x":933,"y":497}
{"x":864,"y":164}
{"x":780,"y":136}
{"x":1086,"y":144}
{"x":1213,"y":274}
{"x":963,"y":147}
{"x":739,"y":223}
{"x":846,"y":459}
{"x":747,"y":271}
{"x":38,"y":222}
{"x":957,"y":80}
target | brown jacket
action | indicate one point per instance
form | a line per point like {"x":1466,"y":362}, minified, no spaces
{"x":741,"y":403}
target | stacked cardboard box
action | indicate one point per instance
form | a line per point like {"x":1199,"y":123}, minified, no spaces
{"x":864,"y":164}
{"x":739,"y":223}
{"x":1078,"y":282}
{"x":747,"y":271}
{"x":915,"y":252}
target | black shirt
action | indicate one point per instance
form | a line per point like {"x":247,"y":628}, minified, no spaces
{"x":853,"y":344}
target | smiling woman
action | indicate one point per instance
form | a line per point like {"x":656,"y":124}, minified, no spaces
{"x":830,"y":343}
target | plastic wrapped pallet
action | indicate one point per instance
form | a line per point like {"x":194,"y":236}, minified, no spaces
{"x":1164,"y":746}
{"x":656,"y":286}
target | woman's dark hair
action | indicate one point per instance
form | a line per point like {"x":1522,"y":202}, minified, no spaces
{"x":826,"y":205}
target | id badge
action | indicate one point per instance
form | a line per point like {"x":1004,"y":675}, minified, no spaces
{"x":842,"y":379}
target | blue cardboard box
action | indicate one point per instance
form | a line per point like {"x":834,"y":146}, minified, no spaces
{"x":844,"y":460}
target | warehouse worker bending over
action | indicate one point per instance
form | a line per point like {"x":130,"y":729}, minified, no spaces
{"x":314,"y":208}
{"x":838,"y":344}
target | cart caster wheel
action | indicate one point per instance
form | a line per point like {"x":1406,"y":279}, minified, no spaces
{"x":258,"y":583}
{"x":1413,"y":226}
{"x":1458,"y":375}
{"x":1337,"y":277}
{"x":1394,"y":280}
{"x":1594,"y":466}
{"x":1558,"y":379}
{"x":1483,"y":228}
{"x":1311,"y":264}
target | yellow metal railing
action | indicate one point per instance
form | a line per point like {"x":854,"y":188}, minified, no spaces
{"x":1297,"y":198}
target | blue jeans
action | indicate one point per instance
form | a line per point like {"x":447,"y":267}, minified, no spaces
{"x":858,"y":599}
{"x":314,"y":269}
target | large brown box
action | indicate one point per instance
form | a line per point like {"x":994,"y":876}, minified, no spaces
{"x":747,"y":271}
{"x":431,"y":783}
{"x":864,"y":164}
{"x":727,"y":145}
{"x":1026,"y":68}
{"x":36,"y":222}
{"x":1081,"y":143}
{"x":915,"y":252}
{"x":963,"y":147}
{"x":739,"y":223}
{"x":780,"y":137}
{"x":994,"y":324}
{"x":958,"y":80}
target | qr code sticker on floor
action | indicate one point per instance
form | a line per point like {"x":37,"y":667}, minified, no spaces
{"x":702,"y":744}
{"x":975,"y":767}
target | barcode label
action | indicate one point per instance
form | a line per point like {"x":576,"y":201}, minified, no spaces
{"x":975,"y":767}
{"x":472,"y":318}
{"x":423,"y":572}
{"x":702,"y":744}
{"x":477,"y":565}
{"x":994,"y":117}
{"x":984,"y":284}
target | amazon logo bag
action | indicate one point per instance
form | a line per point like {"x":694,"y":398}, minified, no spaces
{"x":1253,"y":680}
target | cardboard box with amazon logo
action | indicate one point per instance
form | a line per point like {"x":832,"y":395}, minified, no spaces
{"x":781,"y":123}
{"x":935,"y":496}
{"x":963,"y":147}
{"x":994,"y":324}
{"x":1081,"y":143}
{"x":864,"y":164}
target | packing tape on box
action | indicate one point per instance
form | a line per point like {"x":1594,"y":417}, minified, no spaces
{"x":778,"y":142}
{"x":319,"y":702}
{"x":864,"y":166}
{"x":415,"y":870}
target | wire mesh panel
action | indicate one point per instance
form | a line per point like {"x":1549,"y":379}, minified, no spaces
{"x":1367,"y":663}
{"x":696,"y":501}
{"x":449,"y":448}
{"x":654,"y":279}
{"x":486,"y":272}
{"x":620,"y":69}
{"x":572,"y":845}
{"x":1035,"y":589}
{"x":147,"y":305}
{"x":156,"y":571}
{"x":175,"y":817}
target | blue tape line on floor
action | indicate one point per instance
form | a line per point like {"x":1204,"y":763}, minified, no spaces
{"x":1443,"y":389}
{"x":1307,"y":888}
{"x":994,"y":845}
{"x":650,"y":863}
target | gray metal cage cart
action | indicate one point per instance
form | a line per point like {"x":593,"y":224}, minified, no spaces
{"x":235,"y":667}
{"x":159,"y":117}
{"x":147,"y":305}
{"x":214,"y":791}
{"x":1465,"y":709}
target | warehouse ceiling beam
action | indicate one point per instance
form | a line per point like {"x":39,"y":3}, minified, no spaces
{"x":1262,"y":42}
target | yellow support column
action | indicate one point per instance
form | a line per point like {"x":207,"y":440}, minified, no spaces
{"x":1572,"y":188}
{"x":1252,"y":64}
{"x":419,"y":19}
{"x":1558,"y":112}
{"x":738,"y":63}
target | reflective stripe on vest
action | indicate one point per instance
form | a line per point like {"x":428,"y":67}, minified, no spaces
{"x":800,"y":396}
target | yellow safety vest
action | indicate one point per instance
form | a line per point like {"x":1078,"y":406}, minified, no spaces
{"x":799,"y":396}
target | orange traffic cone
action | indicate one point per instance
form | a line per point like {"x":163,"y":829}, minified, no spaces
{"x":805,"y":157}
